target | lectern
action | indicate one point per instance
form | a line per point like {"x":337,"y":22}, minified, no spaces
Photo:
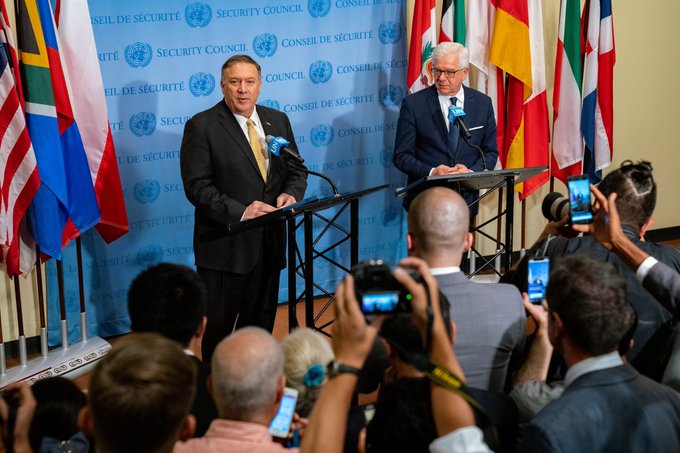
{"x":491,"y":180}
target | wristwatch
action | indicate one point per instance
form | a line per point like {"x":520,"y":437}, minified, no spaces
{"x":336,"y":367}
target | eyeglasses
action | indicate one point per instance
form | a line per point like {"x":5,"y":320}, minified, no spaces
{"x":449,"y":73}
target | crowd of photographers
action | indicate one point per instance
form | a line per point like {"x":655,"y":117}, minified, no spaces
{"x":450,"y":368}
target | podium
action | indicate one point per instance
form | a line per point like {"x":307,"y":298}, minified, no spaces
{"x":300,"y":260}
{"x":490,"y":180}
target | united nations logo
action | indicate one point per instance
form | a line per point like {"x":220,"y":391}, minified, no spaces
{"x":147,"y":191}
{"x":201,"y":84}
{"x":265,"y":44}
{"x":197,"y":14}
{"x":321,"y":71}
{"x":386,"y":156}
{"x":271,"y":103}
{"x":138,"y":54}
{"x":321,"y":135}
{"x":391,"y":95}
{"x":149,"y":255}
{"x":318,"y":8}
{"x":389,"y":32}
{"x":391,"y":216}
{"x":143,"y":123}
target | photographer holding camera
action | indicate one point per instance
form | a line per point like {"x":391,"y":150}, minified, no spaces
{"x":352,"y":341}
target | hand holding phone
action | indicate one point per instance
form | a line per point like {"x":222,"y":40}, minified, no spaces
{"x":580,"y":200}
{"x":537,"y":279}
{"x":280,"y":425}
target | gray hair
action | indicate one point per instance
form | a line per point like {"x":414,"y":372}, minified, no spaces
{"x":448,"y":48}
{"x":246,"y":368}
{"x":303,"y":349}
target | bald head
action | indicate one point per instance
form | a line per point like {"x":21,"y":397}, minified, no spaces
{"x":246,"y":369}
{"x":438,"y":223}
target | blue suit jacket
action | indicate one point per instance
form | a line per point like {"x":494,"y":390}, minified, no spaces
{"x":422,"y":140}
{"x":613,"y":410}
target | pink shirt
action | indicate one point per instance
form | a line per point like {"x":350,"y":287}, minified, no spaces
{"x":234,"y":437}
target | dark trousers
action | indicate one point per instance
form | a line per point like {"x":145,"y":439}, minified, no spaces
{"x":239,"y":300}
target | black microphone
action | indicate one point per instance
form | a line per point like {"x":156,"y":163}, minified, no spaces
{"x":277,"y":145}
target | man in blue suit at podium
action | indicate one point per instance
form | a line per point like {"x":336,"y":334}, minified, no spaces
{"x":428,"y":141}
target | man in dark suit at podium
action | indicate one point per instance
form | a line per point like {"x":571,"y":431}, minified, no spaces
{"x":229,"y":177}
{"x":427,"y":143}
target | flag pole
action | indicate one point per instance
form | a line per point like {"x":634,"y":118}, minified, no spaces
{"x":81,"y":291}
{"x":23,"y":357}
{"x":62,"y":305}
{"x":41,"y":304}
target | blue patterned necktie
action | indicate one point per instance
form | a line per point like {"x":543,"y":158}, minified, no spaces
{"x":454,"y":131}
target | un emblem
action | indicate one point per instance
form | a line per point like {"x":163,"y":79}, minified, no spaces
{"x":201,"y":84}
{"x":197,"y":14}
{"x":149,"y":255}
{"x":147,"y":191}
{"x":391,"y":216}
{"x":318,"y":8}
{"x":265,"y":44}
{"x":391,"y":95}
{"x":389,"y":32}
{"x":320,"y":71}
{"x":271,"y":103}
{"x":143,"y":123}
{"x":386,"y":156}
{"x":138,"y":54}
{"x":322,"y":135}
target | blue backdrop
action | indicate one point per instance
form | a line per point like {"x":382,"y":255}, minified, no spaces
{"x":337,"y":68}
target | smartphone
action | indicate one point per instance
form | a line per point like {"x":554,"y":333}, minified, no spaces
{"x":280,"y":426}
{"x":537,"y":279}
{"x":580,"y":199}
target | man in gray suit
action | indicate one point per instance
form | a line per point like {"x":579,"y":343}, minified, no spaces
{"x":490,"y":318}
{"x":606,"y":405}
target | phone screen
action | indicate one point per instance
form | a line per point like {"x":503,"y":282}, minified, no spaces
{"x":539,"y":269}
{"x":377,"y":303}
{"x":579,"y":199}
{"x":280,"y":426}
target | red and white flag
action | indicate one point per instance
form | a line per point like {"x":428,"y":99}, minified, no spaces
{"x":18,"y":166}
{"x":489,"y":78}
{"x":79,"y":54}
{"x":423,"y":42}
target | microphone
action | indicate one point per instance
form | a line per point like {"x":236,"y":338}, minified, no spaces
{"x":456,"y":114}
{"x":277,"y":145}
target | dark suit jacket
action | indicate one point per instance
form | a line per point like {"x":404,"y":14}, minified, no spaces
{"x":422,"y":140}
{"x":612,"y":410}
{"x":652,"y":317}
{"x":221,"y":179}
{"x":663,"y":283}
{"x":204,"y":407}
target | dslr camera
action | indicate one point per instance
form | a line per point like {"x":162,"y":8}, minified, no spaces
{"x":378,"y":292}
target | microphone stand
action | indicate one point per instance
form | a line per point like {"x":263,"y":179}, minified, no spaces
{"x":304,"y":169}
{"x":481,"y":153}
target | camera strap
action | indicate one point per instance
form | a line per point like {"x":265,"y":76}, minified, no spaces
{"x":442,"y":376}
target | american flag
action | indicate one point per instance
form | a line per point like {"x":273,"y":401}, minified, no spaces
{"x":19,"y":171}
